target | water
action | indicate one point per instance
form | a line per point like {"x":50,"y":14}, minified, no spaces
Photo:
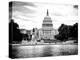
{"x":43,"y":50}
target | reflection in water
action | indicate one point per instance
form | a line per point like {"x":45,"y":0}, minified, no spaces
{"x":47,"y":51}
{"x":43,"y":50}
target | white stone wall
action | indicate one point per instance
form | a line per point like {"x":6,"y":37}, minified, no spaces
{"x":51,"y":36}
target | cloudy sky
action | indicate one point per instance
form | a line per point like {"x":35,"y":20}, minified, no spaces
{"x":30,"y":15}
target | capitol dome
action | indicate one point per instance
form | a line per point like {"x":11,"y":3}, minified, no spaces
{"x":47,"y":23}
{"x":47,"y":32}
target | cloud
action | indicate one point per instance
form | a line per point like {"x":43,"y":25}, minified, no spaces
{"x":30,"y":16}
{"x":21,"y":18}
{"x":20,"y":7}
{"x":18,"y":3}
{"x":75,"y":6}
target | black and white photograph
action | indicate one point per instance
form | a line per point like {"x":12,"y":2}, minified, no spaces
{"x":42,"y":29}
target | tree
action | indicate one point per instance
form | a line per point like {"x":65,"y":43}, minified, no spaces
{"x":66,"y":32}
{"x":63,"y":33}
{"x":75,"y":32}
{"x":14,"y":32}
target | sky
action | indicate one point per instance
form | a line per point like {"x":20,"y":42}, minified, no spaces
{"x":31,"y":15}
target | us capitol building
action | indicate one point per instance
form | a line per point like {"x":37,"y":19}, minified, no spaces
{"x":47,"y":32}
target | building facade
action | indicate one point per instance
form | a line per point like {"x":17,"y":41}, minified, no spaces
{"x":47,"y":31}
